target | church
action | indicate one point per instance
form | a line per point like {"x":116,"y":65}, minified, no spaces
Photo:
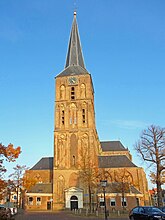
{"x":71,"y":178}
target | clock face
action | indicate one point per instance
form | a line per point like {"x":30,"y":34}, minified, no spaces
{"x":72,"y":80}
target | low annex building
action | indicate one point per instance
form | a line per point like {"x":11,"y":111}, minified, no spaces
{"x":60,"y":181}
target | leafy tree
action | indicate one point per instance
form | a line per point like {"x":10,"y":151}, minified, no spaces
{"x":9,"y":154}
{"x":3,"y":185}
{"x":29,"y":180}
{"x":151,"y":147}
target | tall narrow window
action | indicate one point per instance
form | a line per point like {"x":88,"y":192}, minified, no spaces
{"x":62,"y":92}
{"x":123,"y":203}
{"x":72,"y":93}
{"x":63,"y":117}
{"x":83,"y":115}
{"x":137,"y":201}
{"x":112,"y":202}
{"x":38,"y":202}
{"x":74,"y":160}
{"x":30,"y":200}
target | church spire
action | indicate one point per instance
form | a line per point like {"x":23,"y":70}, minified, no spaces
{"x":74,"y":55}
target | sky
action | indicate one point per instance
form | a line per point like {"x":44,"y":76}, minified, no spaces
{"x":123,"y":43}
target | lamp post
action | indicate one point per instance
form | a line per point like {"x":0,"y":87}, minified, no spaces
{"x":103,"y":183}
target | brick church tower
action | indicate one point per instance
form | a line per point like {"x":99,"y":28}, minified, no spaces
{"x":58,"y":180}
{"x":75,"y":134}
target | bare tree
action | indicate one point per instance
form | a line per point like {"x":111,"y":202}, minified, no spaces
{"x":151,"y":147}
{"x":124,"y":180}
{"x":88,"y":173}
{"x":17,"y":178}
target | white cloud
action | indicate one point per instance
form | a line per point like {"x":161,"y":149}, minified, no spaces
{"x":130,"y":124}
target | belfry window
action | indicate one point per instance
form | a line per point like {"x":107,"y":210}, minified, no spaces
{"x":62,"y":117}
{"x":83,"y":115}
{"x":72,"y":93}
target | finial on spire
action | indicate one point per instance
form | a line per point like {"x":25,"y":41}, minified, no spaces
{"x":75,"y":8}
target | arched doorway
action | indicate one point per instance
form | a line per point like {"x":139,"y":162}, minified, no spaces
{"x":74,"y":202}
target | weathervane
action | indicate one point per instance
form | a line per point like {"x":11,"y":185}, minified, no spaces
{"x":75,"y":7}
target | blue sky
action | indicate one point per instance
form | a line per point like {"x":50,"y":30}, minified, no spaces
{"x":123,"y":43}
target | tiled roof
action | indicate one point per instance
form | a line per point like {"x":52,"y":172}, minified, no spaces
{"x":46,"y":163}
{"x":74,"y":55}
{"x":112,"y":146}
{"x":74,"y":61}
{"x":73,"y":70}
{"x":115,"y":161}
{"x":115,"y":188}
{"x":42,"y":188}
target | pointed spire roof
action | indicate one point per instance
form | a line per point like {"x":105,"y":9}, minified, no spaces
{"x":74,"y":61}
{"x":74,"y":55}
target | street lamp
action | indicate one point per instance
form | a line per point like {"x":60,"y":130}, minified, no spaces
{"x":103,"y":183}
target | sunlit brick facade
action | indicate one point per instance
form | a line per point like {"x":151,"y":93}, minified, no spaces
{"x":75,"y":137}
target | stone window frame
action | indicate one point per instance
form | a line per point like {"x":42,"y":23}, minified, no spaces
{"x":112,"y":202}
{"x":125,"y":202}
{"x":38,"y":200}
{"x":30,"y":200}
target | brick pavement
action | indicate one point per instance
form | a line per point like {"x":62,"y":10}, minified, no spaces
{"x":58,"y":216}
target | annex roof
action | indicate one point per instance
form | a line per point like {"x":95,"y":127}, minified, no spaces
{"x":112,"y":146}
{"x":114,"y":187}
{"x":115,"y":161}
{"x":41,"y":188}
{"x":45,"y":163}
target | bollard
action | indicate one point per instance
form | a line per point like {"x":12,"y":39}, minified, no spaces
{"x":86,"y":212}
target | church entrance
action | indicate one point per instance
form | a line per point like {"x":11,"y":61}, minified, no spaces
{"x":73,"y":198}
{"x":74,"y":202}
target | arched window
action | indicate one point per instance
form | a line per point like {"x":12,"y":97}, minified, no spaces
{"x":73,"y":150}
{"x":83,"y":116}
{"x":60,"y":187}
{"x":62,"y":116}
{"x":83,"y":90}
{"x":84,"y":113}
{"x":62,"y":92}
